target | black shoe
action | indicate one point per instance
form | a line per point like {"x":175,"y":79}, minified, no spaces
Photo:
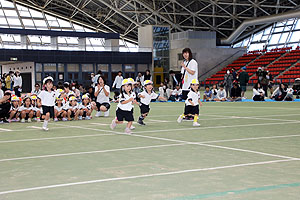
{"x":5,"y":121}
{"x":140,"y":122}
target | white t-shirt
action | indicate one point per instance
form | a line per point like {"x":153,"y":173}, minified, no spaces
{"x":14,"y":108}
{"x":60,"y":108}
{"x":192,"y":65}
{"x":128,"y":106}
{"x":118,"y":81}
{"x":17,"y":81}
{"x":148,"y":97}
{"x":88,"y":106}
{"x":102,"y":98}
{"x":221,"y":94}
{"x":194,"y":96}
{"x":22,"y":108}
{"x":73,"y":108}
{"x":178,"y":92}
{"x":47,"y":98}
{"x":37,"y":92}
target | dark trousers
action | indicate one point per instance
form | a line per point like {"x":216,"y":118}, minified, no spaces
{"x":185,"y":94}
{"x":4,"y":110}
{"x":265,"y":88}
{"x":258,"y":98}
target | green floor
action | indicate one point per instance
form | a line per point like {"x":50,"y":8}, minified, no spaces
{"x":241,"y":151}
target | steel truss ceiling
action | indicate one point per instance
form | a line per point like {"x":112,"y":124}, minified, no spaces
{"x":125,"y":16}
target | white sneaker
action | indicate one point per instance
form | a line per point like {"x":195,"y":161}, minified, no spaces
{"x":98,"y":114}
{"x":55,"y":119}
{"x":113,"y":124}
{"x":87,"y":118}
{"x":80,"y":117}
{"x":132,"y":127}
{"x":128,"y":131}
{"x":106,"y":114}
{"x":64,"y":119}
{"x":38,"y":119}
{"x":22,"y":120}
{"x":179,"y":120}
{"x":45,"y":128}
{"x":196,"y":124}
{"x":29,"y":120}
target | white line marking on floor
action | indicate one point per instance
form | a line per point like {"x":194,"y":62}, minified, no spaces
{"x":143,"y":176}
{"x":35,"y":127}
{"x":90,"y":152}
{"x":100,"y":124}
{"x":5,"y":130}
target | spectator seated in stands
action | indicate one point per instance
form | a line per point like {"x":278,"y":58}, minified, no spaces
{"x":207,"y":96}
{"x":258,"y":93}
{"x":235,"y":94}
{"x":137,"y":88}
{"x":214,"y":92}
{"x":283,"y":93}
{"x":221,"y":95}
{"x":176,"y":94}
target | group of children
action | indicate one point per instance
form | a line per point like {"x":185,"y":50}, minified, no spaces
{"x":127,"y":98}
{"x":49,"y":103}
{"x":62,"y":104}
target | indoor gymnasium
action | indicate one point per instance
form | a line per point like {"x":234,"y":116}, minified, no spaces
{"x":149,"y":100}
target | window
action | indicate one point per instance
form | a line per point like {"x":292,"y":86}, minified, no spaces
{"x":102,"y":67}
{"x":87,"y":67}
{"x":73,"y":67}
{"x":49,"y":67}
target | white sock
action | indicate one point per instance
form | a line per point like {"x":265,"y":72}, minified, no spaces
{"x":45,"y":124}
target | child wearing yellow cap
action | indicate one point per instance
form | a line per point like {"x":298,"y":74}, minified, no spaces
{"x":125,"y":107}
{"x":192,"y":103}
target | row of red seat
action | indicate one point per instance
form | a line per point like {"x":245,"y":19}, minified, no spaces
{"x":292,"y":72}
{"x":280,"y":65}
{"x":259,"y":63}
{"x":276,"y":69}
{"x":241,"y":61}
{"x":264,"y":59}
{"x":287,"y":57}
{"x":289,"y":76}
{"x":285,"y":61}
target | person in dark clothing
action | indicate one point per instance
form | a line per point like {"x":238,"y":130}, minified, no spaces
{"x":262,"y":79}
{"x":243,"y":78}
{"x":175,"y":79}
{"x":4,"y":107}
{"x":235,"y":94}
{"x":233,"y":72}
{"x":91,"y":93}
{"x":147,"y":76}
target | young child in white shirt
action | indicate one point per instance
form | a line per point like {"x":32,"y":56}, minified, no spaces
{"x":14,"y":109}
{"x":73,"y":108}
{"x":47,"y":98}
{"x":145,"y":98}
{"x":26,"y":110}
{"x":192,"y":103}
{"x":85,"y":108}
{"x":125,"y":107}
{"x":60,"y":109}
{"x":37,"y":108}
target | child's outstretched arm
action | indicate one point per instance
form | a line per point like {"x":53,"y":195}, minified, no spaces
{"x":191,"y":102}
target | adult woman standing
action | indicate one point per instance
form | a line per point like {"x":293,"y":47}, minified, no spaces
{"x":102,"y":92}
{"x":17,"y":83}
{"x":189,"y":71}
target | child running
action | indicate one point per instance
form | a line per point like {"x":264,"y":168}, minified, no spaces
{"x":192,"y":103}
{"x":47,"y":98}
{"x":146,"y":96}
{"x":125,"y":107}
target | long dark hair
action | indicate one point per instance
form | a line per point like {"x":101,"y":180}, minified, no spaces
{"x":256,"y":86}
{"x":122,"y":91}
{"x":102,"y":79}
{"x":188,"y":50}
